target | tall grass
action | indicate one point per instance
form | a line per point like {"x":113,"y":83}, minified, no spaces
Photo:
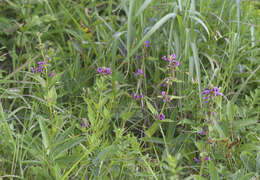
{"x":145,"y":120}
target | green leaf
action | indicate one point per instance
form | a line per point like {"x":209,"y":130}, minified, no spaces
{"x":44,"y":132}
{"x":248,"y":176}
{"x":197,"y":67}
{"x":66,"y":161}
{"x":219,"y":129}
{"x":142,"y":8}
{"x":243,"y":123}
{"x":213,"y":171}
{"x":47,"y":18}
{"x":152,"y":129}
{"x":2,"y":115}
{"x":244,"y":156}
{"x":148,"y":34}
{"x":68,"y":144}
{"x":39,"y":79}
{"x":91,"y":114}
{"x":200,"y":145}
{"x":103,"y":155}
{"x":230,"y":111}
{"x":249,"y":147}
{"x":176,"y":97}
{"x":258,"y":162}
{"x":52,"y":96}
{"x":150,"y":107}
{"x":63,"y":134}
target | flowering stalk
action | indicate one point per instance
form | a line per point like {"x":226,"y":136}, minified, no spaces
{"x":210,"y":95}
{"x":172,"y":65}
{"x":43,"y":67}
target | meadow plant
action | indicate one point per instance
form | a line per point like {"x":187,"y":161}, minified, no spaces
{"x":142,"y":116}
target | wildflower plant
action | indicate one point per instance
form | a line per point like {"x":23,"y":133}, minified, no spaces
{"x":127,"y":118}
{"x":171,"y":68}
{"x":210,"y":95}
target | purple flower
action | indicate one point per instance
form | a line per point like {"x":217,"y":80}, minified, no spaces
{"x":34,"y":71}
{"x":41,"y":63}
{"x":206,"y":97}
{"x":211,"y":93}
{"x":163,"y":93}
{"x":177,"y":63}
{"x":216,"y":91}
{"x":206,"y":91}
{"x":211,"y":144}
{"x":133,"y":95}
{"x":207,"y":158}
{"x":202,"y":132}
{"x":162,"y":116}
{"x":139,"y":72}
{"x":196,"y":160}
{"x":104,"y":71}
{"x":164,"y":58}
{"x":138,"y":57}
{"x":108,"y":71}
{"x":52,"y":74}
{"x":100,"y":70}
{"x":173,"y":56}
{"x":171,"y":60}
{"x":146,"y":43}
{"x":136,"y":96}
{"x":40,"y":67}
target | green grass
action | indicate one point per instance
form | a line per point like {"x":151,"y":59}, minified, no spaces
{"x":78,"y":124}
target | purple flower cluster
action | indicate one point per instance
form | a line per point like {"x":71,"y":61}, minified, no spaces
{"x":104,"y":71}
{"x":146,"y":44}
{"x":203,"y":132}
{"x":207,"y":158}
{"x":52,"y":74}
{"x":211,"y":93}
{"x":172,"y":60}
{"x":164,"y":96}
{"x":40,"y":67}
{"x":138,"y":57}
{"x":139,"y":73}
{"x":136,"y":96}
{"x":160,"y":116}
{"x":196,"y":160}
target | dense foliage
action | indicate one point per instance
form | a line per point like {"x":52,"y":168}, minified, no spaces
{"x":129,"y":89}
